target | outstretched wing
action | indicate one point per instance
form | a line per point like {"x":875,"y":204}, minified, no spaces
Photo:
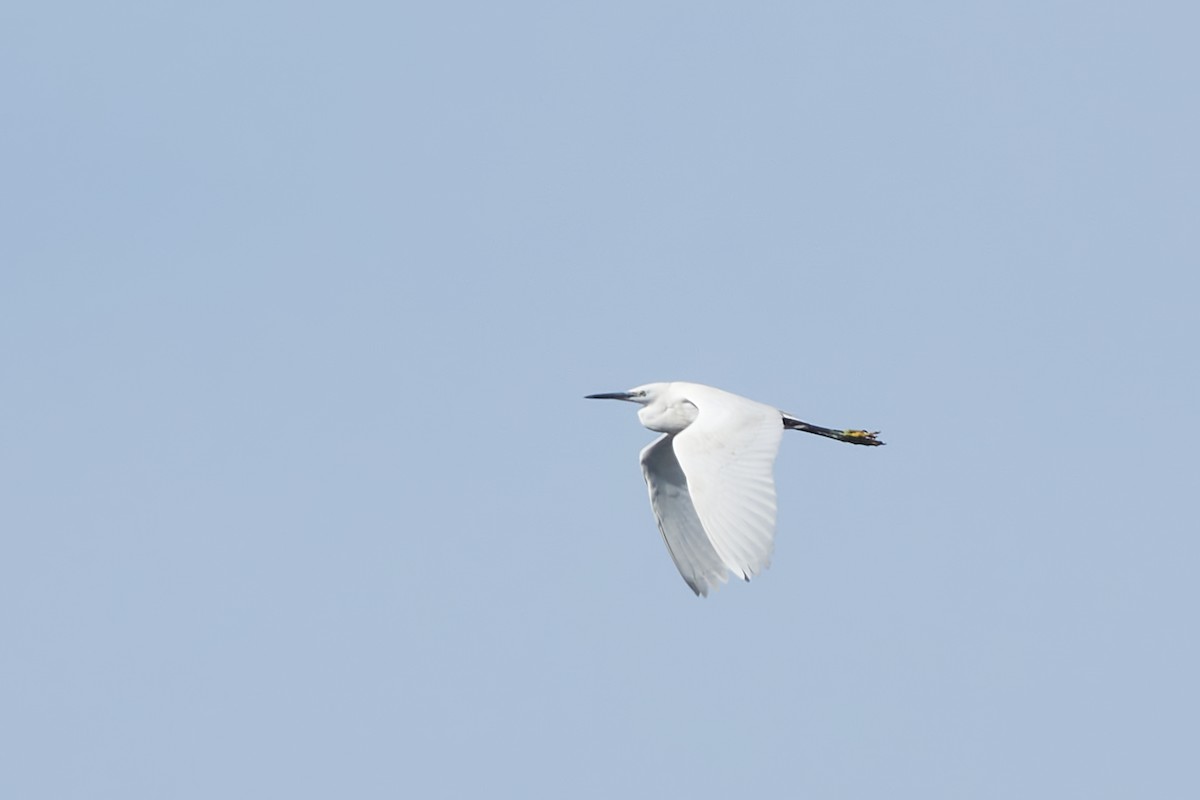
{"x":728,"y":456}
{"x":694,"y":555}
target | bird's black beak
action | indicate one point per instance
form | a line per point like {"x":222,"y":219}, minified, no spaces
{"x":609,"y":396}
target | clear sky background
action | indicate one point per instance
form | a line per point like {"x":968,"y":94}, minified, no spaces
{"x":299,"y":496}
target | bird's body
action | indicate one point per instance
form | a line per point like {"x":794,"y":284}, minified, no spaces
{"x":710,"y":475}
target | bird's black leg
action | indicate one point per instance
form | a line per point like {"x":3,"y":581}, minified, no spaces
{"x":851,"y":436}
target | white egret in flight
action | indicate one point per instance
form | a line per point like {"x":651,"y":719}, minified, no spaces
{"x":710,"y":475}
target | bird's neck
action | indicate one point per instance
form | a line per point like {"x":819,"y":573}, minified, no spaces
{"x":668,"y":417}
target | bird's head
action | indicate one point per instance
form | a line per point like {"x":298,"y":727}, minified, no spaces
{"x":642,"y":395}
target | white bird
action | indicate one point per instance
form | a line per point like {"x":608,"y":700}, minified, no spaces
{"x":710,"y":475}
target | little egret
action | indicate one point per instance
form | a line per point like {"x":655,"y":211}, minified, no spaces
{"x":710,"y":475}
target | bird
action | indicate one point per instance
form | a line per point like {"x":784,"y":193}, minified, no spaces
{"x":710,"y":475}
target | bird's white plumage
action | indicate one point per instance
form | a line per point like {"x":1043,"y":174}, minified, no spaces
{"x":728,"y":455}
{"x":702,"y":569}
{"x":711,"y":486}
{"x":710,"y":475}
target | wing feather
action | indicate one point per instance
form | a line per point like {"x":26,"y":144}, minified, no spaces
{"x":727,"y":456}
{"x":698,"y":562}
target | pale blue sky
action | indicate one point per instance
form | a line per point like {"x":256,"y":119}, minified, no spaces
{"x":299,"y":496}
